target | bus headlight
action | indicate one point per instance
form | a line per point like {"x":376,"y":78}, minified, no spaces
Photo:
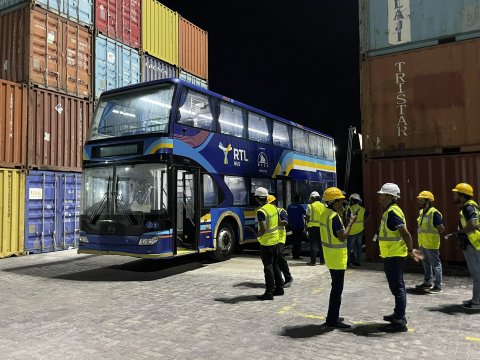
{"x":148,"y":241}
{"x":83,"y":239}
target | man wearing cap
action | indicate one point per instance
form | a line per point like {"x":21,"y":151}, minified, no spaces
{"x":430,"y":226}
{"x":355,"y":238}
{"x":395,"y":244}
{"x":268,"y":237}
{"x":468,"y":227}
{"x":314,"y":210}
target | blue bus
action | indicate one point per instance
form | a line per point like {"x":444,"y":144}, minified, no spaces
{"x":170,"y":169}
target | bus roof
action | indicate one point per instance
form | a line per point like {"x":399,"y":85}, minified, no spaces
{"x":218,"y":96}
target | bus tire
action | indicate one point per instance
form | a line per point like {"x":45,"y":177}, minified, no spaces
{"x":226,"y":242}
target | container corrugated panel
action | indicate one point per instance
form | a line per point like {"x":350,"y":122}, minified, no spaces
{"x":12,"y":214}
{"x":44,"y":49}
{"x":116,"y":65}
{"x":193,"y":49}
{"x":422,"y":99}
{"x":57,"y":127}
{"x":155,"y":69}
{"x":438,"y":174}
{"x":399,"y":25}
{"x":52,"y":211}
{"x":120,"y":20}
{"x":79,"y":11}
{"x":193,"y":79}
{"x":160,"y":31}
{"x":13,"y":124}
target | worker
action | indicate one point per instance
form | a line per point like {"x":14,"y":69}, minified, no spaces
{"x":314,"y":210}
{"x":355,"y":238}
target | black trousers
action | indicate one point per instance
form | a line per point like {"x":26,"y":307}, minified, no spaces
{"x":338,"y":277}
{"x":273,"y":275}
{"x":297,"y":237}
{"x":315,"y":244}
{"x":282,"y":262}
{"x":393,"y":267}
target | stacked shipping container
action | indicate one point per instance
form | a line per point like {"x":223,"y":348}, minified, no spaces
{"x":418,"y":100}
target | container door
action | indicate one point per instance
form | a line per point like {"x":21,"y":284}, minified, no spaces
{"x":187,"y":215}
{"x":67,"y":210}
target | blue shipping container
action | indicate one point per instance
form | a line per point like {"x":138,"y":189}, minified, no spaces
{"x":52,"y":211}
{"x":155,"y":69}
{"x":388,"y":26}
{"x":79,"y":11}
{"x":116,"y":65}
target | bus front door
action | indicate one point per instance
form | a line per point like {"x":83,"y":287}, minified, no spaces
{"x":187,"y":214}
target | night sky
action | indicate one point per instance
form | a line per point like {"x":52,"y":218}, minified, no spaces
{"x":298,"y":60}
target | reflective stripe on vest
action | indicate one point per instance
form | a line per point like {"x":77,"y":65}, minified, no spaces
{"x":391,"y":242}
{"x":358,"y":225}
{"x":474,"y":236}
{"x":428,"y":236}
{"x":315,"y":211}
{"x":334,"y":250}
{"x":282,"y":232}
{"x":271,"y":226}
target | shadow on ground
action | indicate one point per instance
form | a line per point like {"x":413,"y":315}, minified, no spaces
{"x":371,"y":329}
{"x":305,"y":331}
{"x":415,"y":291}
{"x":250,"y":285}
{"x":237,"y":299}
{"x":453,"y":309}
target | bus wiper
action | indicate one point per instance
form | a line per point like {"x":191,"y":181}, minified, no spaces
{"x":121,"y":203}
{"x":102,"y":205}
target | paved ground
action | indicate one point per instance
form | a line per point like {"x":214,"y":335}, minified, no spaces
{"x":69,"y":306}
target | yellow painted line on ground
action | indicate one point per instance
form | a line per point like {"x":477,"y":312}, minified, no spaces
{"x":289,"y":310}
{"x":285,"y":309}
{"x":411,"y":330}
{"x":472,"y":339}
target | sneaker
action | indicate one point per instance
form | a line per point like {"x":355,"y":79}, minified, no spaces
{"x":311,"y":263}
{"x":388,"y":318}
{"x":435,"y":290}
{"x":465,"y":302}
{"x":423,"y":285}
{"x":279,"y":291}
{"x":266,"y":296}
{"x":338,"y":325}
{"x":395,"y":327}
{"x":288,"y":282}
{"x":471,"y":306}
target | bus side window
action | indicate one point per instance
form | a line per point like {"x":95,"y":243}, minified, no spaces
{"x":195,"y":110}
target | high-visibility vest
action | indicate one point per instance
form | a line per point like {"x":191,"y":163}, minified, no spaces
{"x":315,"y":211}
{"x":391,"y":242}
{"x":474,"y":236}
{"x":282,"y":232}
{"x":334,"y":250}
{"x":357,"y":226}
{"x":270,"y":237}
{"x":428,"y":236}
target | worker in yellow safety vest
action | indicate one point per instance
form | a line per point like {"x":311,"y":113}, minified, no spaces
{"x":334,"y":243}
{"x":430,"y":226}
{"x":314,"y":210}
{"x":355,"y":238}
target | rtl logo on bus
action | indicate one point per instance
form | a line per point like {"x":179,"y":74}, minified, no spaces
{"x":238,"y":154}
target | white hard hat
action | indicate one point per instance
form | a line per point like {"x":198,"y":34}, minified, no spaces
{"x":355,"y":196}
{"x":390,"y":189}
{"x":261,"y":192}
{"x":314,"y":194}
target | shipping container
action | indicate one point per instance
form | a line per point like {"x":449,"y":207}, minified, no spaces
{"x":13,"y":124}
{"x":160,"y":31}
{"x":41,"y":48}
{"x":116,"y":65}
{"x":12,"y":214}
{"x":57,"y":127}
{"x":52,"y":211}
{"x":424,"y":100}
{"x":399,"y":25}
{"x":120,"y":20}
{"x":155,"y":69}
{"x":438,"y":174}
{"x":193,"y":79}
{"x":193,"y":49}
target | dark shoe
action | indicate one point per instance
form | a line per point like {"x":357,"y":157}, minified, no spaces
{"x":435,"y":290}
{"x":311,"y":263}
{"x":279,"y":291}
{"x":471,"y":306}
{"x":266,"y":296}
{"x":288,"y":282}
{"x":322,"y":262}
{"x":396,"y":327}
{"x":423,"y":285}
{"x":338,"y":325}
{"x":388,"y":318}
{"x":297,"y":258}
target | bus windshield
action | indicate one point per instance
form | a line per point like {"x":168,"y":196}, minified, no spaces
{"x":134,"y":113}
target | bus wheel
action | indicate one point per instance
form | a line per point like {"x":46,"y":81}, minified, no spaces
{"x":226,"y":239}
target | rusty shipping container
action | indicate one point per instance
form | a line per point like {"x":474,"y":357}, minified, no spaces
{"x":57,"y":127}
{"x":438,"y":174}
{"x":13,"y":124}
{"x":120,"y":20}
{"x":422,"y":101}
{"x":192,"y":49}
{"x":44,"y":49}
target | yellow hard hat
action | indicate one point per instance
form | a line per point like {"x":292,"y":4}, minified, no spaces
{"x":271,"y":198}
{"x":464,"y":188}
{"x":332,"y":194}
{"x":426,"y":195}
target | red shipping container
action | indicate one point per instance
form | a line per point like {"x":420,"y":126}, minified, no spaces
{"x":438,"y":174}
{"x":120,"y":20}
{"x":57,"y":127}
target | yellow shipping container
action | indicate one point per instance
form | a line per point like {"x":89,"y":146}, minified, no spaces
{"x":160,"y":31}
{"x":12,"y":212}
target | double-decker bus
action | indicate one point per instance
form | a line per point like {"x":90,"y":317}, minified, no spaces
{"x":170,"y":169}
